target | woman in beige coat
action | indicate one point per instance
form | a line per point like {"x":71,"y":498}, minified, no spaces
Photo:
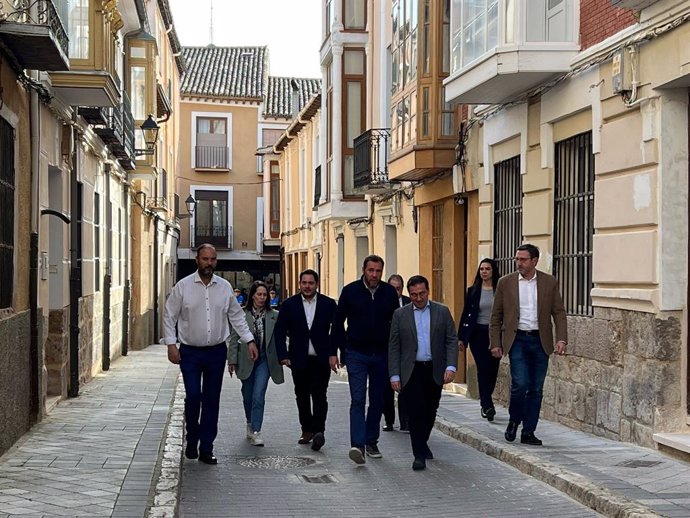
{"x":254,"y":365}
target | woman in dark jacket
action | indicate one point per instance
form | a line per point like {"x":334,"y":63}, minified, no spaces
{"x":474,"y":329}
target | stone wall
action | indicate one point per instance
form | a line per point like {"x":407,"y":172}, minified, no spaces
{"x":15,"y":378}
{"x":621,"y":378}
{"x":57,"y":352}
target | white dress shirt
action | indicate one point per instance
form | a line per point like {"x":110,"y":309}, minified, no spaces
{"x":309,"y":310}
{"x":201,"y":312}
{"x":528,"y":303}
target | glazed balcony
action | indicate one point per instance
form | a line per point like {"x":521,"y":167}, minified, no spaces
{"x":371,"y":153}
{"x":34,"y":33}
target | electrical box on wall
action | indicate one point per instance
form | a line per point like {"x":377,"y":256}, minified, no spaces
{"x":621,"y":70}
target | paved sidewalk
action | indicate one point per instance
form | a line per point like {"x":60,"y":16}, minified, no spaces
{"x":613,"y":478}
{"x":97,"y":454}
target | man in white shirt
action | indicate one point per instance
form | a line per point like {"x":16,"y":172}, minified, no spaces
{"x":201,"y":305}
{"x":525,"y":303}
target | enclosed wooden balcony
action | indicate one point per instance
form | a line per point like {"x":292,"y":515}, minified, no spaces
{"x":34,"y":33}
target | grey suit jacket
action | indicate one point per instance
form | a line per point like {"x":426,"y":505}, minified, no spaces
{"x":505,"y":314}
{"x":402,"y":345}
{"x":238,"y":351}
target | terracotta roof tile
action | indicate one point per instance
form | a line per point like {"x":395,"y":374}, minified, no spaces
{"x":279,"y":95}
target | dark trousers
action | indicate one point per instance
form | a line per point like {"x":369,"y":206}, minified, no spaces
{"x":422,"y":395}
{"x":487,"y":365}
{"x":366,"y":371}
{"x":202,"y":372}
{"x":311,"y":386}
{"x":528,"y":365}
{"x":389,"y":408}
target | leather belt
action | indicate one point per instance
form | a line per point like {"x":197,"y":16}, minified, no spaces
{"x":528,"y":332}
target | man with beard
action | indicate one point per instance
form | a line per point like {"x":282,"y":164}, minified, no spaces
{"x":201,"y":305}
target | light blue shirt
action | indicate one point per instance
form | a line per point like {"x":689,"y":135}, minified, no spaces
{"x":422,"y":321}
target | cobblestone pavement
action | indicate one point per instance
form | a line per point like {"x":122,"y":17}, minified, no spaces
{"x":252,"y":481}
{"x":97,"y":454}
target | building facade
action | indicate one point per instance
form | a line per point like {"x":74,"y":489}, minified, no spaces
{"x":576,"y":139}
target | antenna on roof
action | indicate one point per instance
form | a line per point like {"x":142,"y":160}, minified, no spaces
{"x":210,"y":29}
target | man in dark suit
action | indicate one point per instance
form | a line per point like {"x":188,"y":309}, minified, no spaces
{"x":524,"y":305}
{"x":422,"y":357}
{"x":306,"y":319}
{"x":397,"y":282}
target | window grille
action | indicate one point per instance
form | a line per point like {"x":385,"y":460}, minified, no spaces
{"x":7,"y":189}
{"x":507,"y":213}
{"x":437,"y":257}
{"x":574,"y":222}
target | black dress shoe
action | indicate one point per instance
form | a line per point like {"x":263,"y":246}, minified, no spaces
{"x":419,"y":464}
{"x":208,"y":458}
{"x":305,"y":438}
{"x":489,"y":413}
{"x":191,"y":451}
{"x":531,"y":439}
{"x":318,"y":441}
{"x":511,"y":431}
{"x":404,"y":427}
{"x":388,"y":428}
{"x":429,"y":454}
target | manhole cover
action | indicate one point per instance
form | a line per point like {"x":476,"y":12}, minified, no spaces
{"x":276,"y":462}
{"x":639,"y":463}
{"x":318,"y":479}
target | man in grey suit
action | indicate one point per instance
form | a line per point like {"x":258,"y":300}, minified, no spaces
{"x":422,"y":357}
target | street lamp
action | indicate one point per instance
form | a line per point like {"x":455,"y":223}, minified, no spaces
{"x":150,"y":129}
{"x":190,"y":202}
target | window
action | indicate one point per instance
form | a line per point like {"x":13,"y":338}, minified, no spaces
{"x":97,"y":240}
{"x":138,"y":87}
{"x":211,"y":141}
{"x":475,"y":24}
{"x":330,"y":13}
{"x":426,"y":39}
{"x":404,"y":43}
{"x":437,"y":253}
{"x":355,"y":14}
{"x":403,"y":122}
{"x":425,"y":112}
{"x":447,"y":116}
{"x":354,"y":98}
{"x":275,"y":200}
{"x":574,"y":222}
{"x":7,"y":190}
{"x":507,"y":213}
{"x":211,"y":218}
{"x":78,"y":28}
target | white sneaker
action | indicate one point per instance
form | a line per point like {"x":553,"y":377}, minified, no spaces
{"x":257,"y":439}
{"x":250,"y":432}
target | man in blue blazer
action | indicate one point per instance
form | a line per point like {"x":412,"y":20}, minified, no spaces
{"x":422,"y":357}
{"x":306,"y":319}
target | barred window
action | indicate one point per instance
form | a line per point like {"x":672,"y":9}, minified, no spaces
{"x":7,"y":189}
{"x":437,"y":255}
{"x":507,"y":213}
{"x":574,"y":222}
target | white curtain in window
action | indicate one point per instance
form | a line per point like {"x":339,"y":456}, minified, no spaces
{"x":78,"y":28}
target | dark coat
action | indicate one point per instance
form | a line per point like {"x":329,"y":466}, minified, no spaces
{"x":470,"y":311}
{"x":292,"y":325}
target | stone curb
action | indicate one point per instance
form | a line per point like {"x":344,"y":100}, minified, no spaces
{"x":167,"y":488}
{"x":576,"y":486}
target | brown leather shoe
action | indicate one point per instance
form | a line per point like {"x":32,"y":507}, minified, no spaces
{"x":305,"y":438}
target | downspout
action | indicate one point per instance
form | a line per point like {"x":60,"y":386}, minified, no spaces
{"x":155,"y":279}
{"x":107,"y":278}
{"x":128,"y":284}
{"x":35,"y":130}
{"x":75,"y":271}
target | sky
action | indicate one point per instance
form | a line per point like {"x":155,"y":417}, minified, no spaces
{"x":290,"y":28}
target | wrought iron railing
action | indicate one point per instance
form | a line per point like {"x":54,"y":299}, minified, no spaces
{"x":507,"y":213}
{"x":371,"y":152}
{"x":211,"y":157}
{"x":37,"y":12}
{"x":219,"y":236}
{"x":127,"y":125}
{"x":317,"y":186}
{"x":158,"y":203}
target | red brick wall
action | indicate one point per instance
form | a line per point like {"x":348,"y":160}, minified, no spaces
{"x":599,"y":20}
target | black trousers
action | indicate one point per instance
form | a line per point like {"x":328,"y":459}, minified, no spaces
{"x":311,"y":385}
{"x":389,"y":408}
{"x":422,"y":395}
{"x":487,"y":365}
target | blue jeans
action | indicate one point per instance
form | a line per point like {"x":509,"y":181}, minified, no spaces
{"x":528,"y":364}
{"x":254,"y":393}
{"x":360,"y":366}
{"x":202,"y":372}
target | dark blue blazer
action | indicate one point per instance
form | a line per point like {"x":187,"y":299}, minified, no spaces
{"x":292,"y":324}
{"x":406,"y":300}
{"x":470,"y":311}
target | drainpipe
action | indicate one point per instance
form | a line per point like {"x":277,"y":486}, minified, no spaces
{"x":155,"y":279}
{"x":35,"y":131}
{"x":75,"y":271}
{"x":107,"y":278}
{"x":128,"y":284}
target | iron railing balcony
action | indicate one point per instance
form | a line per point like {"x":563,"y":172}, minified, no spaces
{"x":211,"y":157}
{"x":115,"y":127}
{"x":33,"y":31}
{"x":371,"y":152}
{"x":158,"y":204}
{"x":219,"y":236}
{"x":317,"y":186}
